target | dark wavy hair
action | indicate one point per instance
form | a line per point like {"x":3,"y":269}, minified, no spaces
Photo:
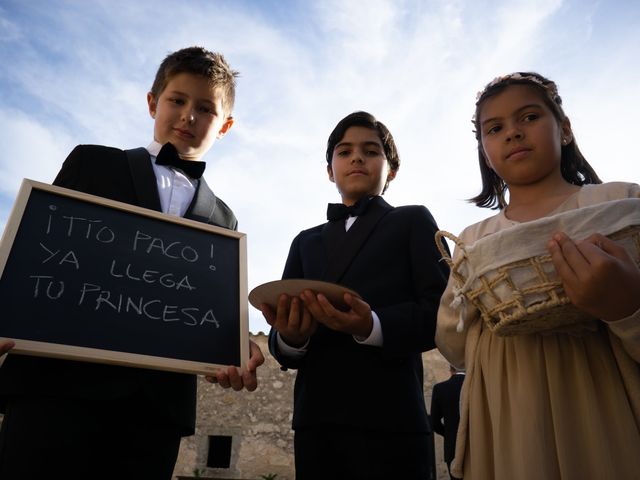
{"x":366,"y":120}
{"x":574,"y":167}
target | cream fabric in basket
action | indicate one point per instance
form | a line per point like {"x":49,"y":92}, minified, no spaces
{"x":530,"y":239}
{"x":509,"y":275}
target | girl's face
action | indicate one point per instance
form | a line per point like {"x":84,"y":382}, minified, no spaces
{"x":521,"y":138}
{"x":359,"y":165}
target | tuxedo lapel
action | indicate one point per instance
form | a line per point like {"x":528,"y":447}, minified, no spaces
{"x":144,"y":180}
{"x":333,"y":239}
{"x":203,"y":204}
{"x":342,"y":247}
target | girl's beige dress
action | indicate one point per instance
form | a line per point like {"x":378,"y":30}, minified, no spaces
{"x":560,"y":405}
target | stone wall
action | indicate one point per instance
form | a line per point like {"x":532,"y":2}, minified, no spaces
{"x":260,"y":423}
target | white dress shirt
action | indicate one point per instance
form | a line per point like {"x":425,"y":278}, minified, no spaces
{"x":176,"y":190}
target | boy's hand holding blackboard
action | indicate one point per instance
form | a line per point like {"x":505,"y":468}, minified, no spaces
{"x":5,"y":346}
{"x":239,"y":379}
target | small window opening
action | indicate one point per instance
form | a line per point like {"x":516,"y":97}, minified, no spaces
{"x":219,"y":451}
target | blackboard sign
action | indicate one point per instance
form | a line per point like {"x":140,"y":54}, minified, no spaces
{"x":87,"y":278}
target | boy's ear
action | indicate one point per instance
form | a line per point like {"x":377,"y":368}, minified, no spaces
{"x":391,"y":175}
{"x":330,"y":172}
{"x":228,"y":123}
{"x":151,"y":101}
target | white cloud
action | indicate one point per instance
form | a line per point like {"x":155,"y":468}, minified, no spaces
{"x":30,"y":150}
{"x":9,"y":31}
{"x":82,"y":70}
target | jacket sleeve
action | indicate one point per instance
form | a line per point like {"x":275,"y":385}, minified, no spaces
{"x":292,"y":269}
{"x":409,"y":327}
{"x":71,"y":172}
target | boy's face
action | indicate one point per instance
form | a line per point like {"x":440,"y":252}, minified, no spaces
{"x":188,"y":113}
{"x":359,"y":165}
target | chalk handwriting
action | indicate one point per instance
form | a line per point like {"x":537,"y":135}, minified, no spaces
{"x":174,"y":250}
{"x":151,"y":276}
{"x":84,"y":226}
{"x":154,"y":309}
{"x":62,"y":232}
{"x":49,"y":288}
{"x":68,"y":257}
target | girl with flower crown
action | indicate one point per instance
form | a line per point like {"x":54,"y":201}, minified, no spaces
{"x":563,"y":404}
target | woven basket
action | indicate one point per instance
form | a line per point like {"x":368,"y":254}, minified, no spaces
{"x":523,"y":296}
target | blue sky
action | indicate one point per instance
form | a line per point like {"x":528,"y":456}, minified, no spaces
{"x":78,"y":72}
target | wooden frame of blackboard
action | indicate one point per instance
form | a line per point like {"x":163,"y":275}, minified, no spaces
{"x":239,"y":343}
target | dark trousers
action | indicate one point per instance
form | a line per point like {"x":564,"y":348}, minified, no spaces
{"x":342,"y":453}
{"x":82,"y":439}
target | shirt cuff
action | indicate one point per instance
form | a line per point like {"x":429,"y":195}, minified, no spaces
{"x":288,"y":350}
{"x":375,"y":338}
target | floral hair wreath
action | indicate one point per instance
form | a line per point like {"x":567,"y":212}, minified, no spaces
{"x":548,"y":86}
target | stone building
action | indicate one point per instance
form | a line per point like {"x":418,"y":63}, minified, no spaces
{"x":247,"y":435}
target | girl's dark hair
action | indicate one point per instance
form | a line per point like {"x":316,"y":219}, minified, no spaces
{"x":574,"y":167}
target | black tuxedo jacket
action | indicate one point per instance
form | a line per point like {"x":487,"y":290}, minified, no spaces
{"x":445,"y":412}
{"x":390,"y":258}
{"x":126,"y":177}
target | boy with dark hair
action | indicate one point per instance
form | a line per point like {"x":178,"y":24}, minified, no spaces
{"x":83,"y":420}
{"x":359,"y":408}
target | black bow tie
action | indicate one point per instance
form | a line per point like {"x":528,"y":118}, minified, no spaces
{"x":168,"y":156}
{"x":339,"y":211}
